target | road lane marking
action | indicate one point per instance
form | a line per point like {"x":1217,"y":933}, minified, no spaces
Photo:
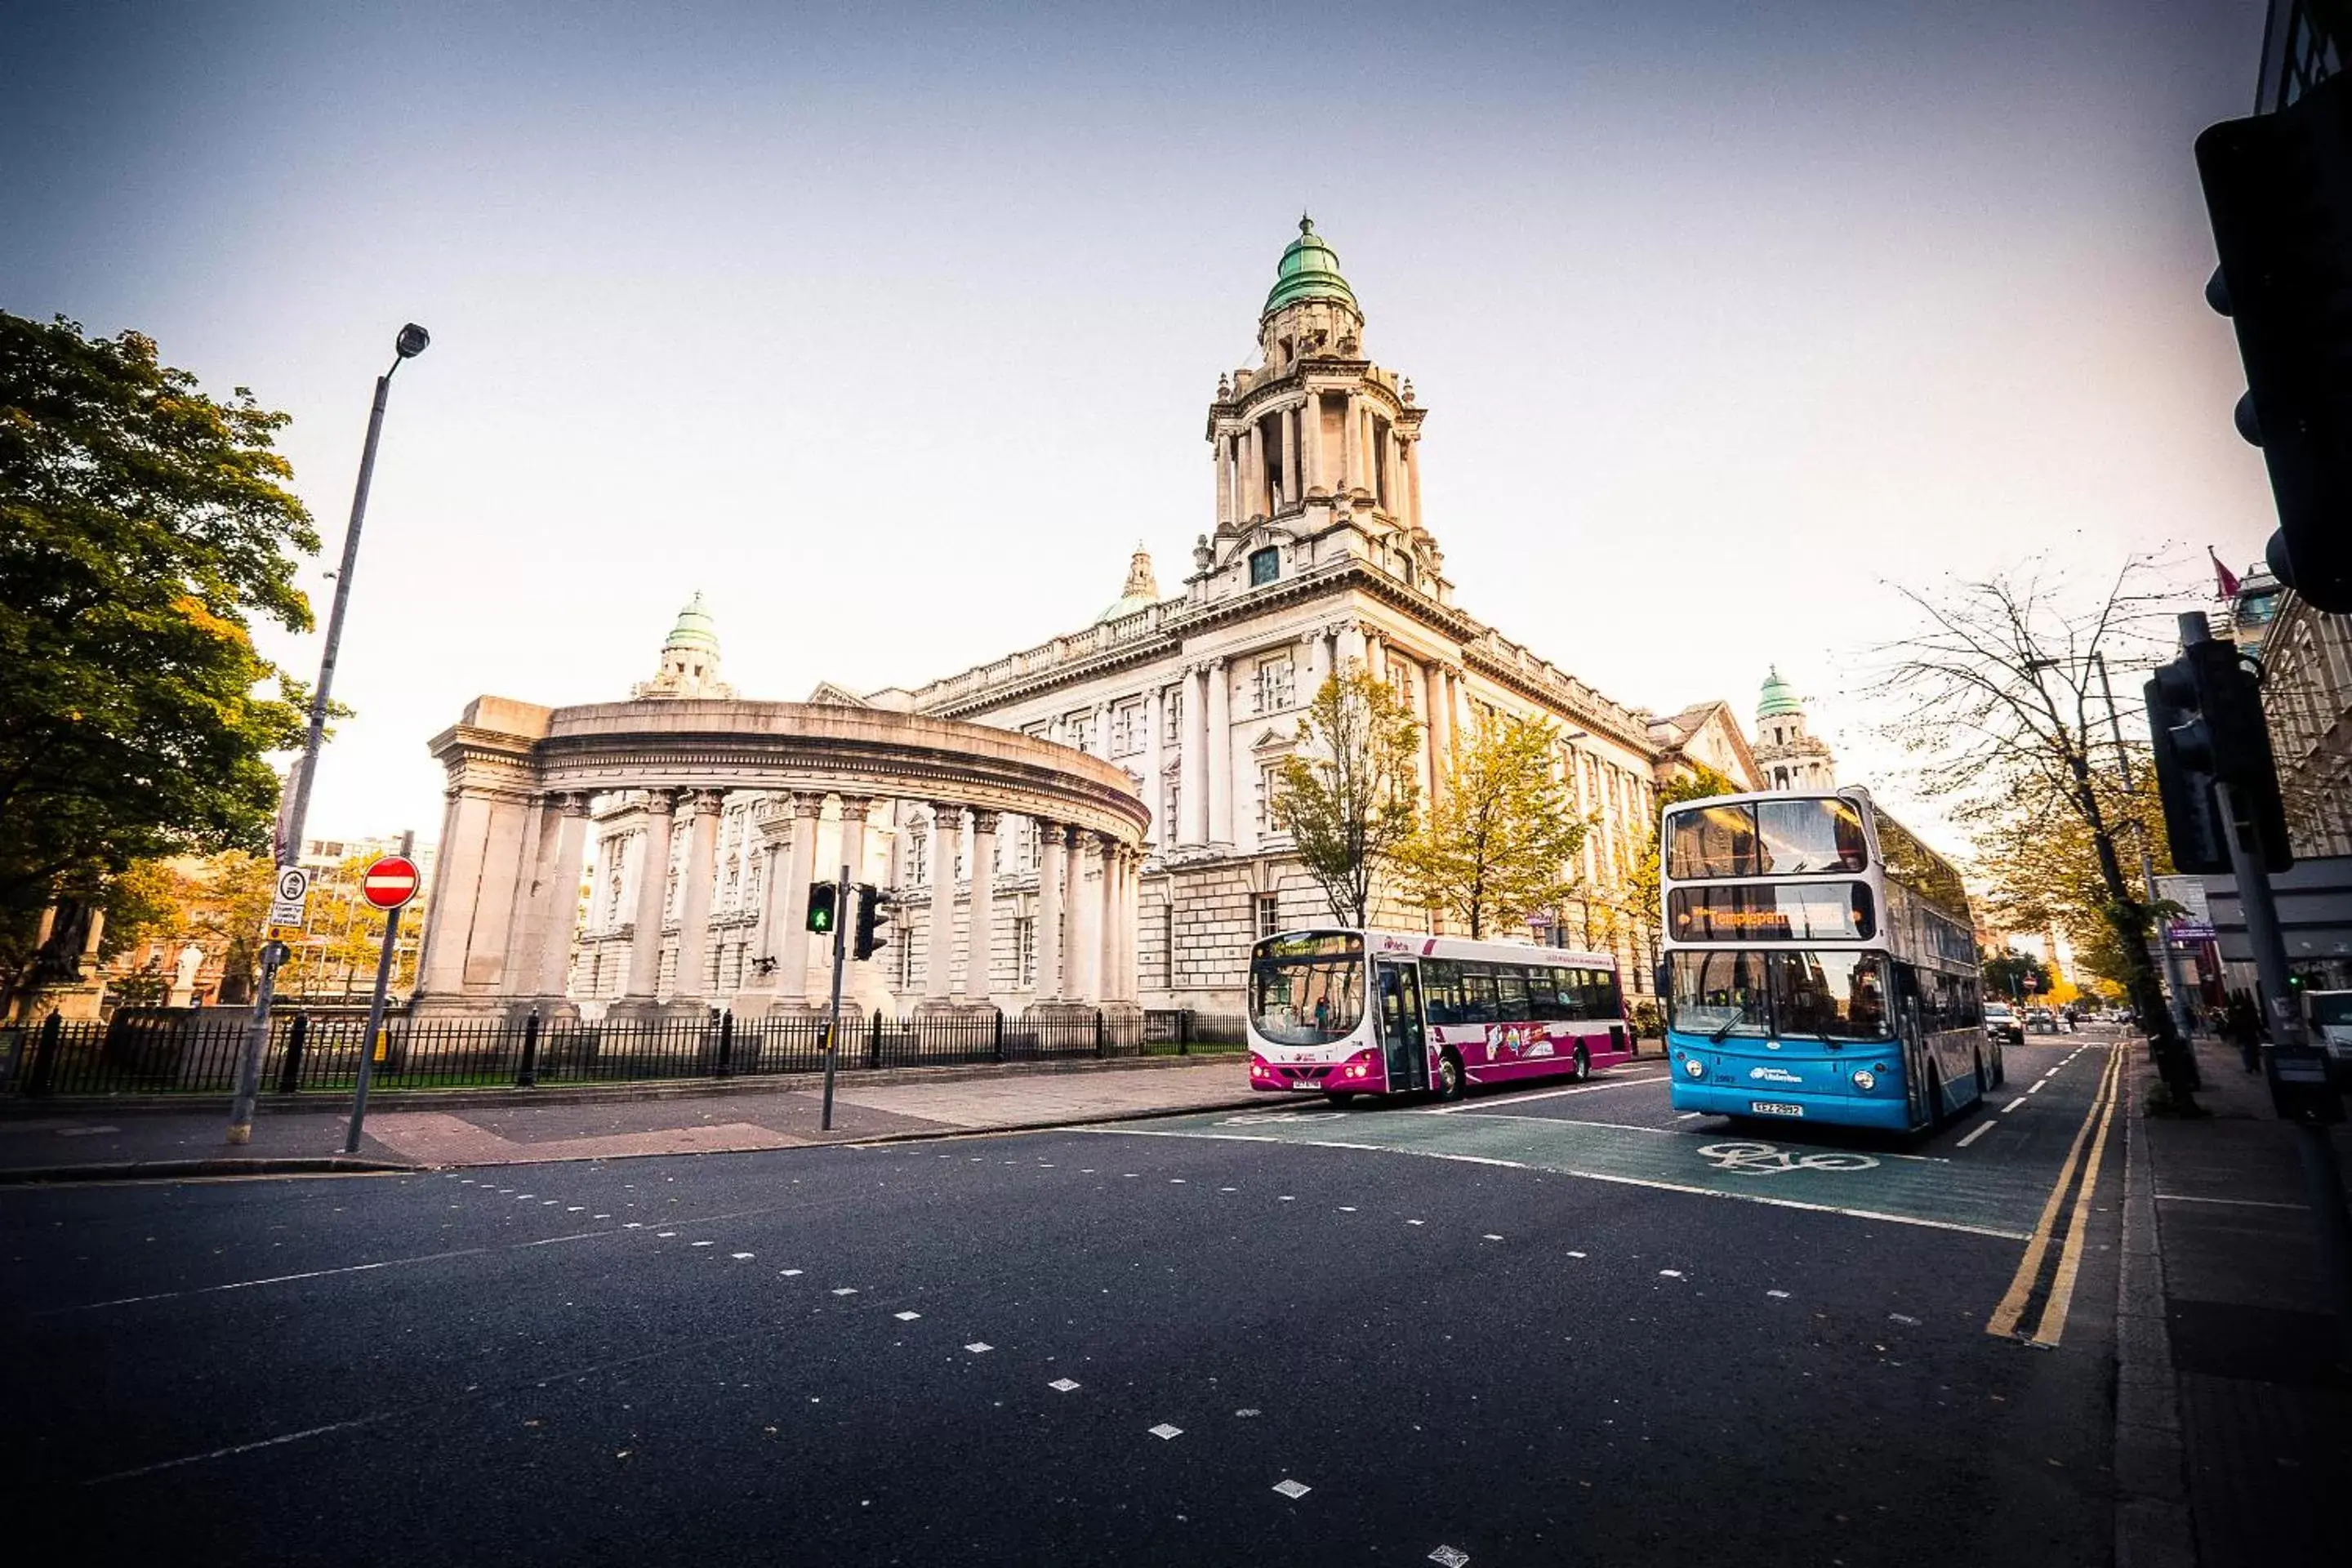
{"x":2052,"y":1326}
{"x":2013,"y":1105}
{"x":2236,"y":1203}
{"x":1292,"y":1489}
{"x":1980,"y":1132}
{"x":2037,"y":1086}
{"x":1612,"y":1180}
{"x":1165,"y":1432}
{"x":1546,"y":1094}
{"x":2005,"y":1316}
{"x":318,"y":1274}
{"x":237,"y":1449}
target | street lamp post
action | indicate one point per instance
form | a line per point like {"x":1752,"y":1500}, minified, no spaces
{"x":410,"y":342}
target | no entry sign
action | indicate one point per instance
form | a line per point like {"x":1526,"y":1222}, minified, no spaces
{"x":390,"y":882}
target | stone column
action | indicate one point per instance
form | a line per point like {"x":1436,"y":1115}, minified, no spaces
{"x":1352,"y":647}
{"x":1318,"y":661}
{"x":979,"y":927}
{"x":560,"y":901}
{"x":792,"y":959}
{"x":1253,"y":473}
{"x":1107,"y":932}
{"x":1376,"y":655}
{"x":1292,"y":489}
{"x":1351,"y":460}
{"x":652,"y":891}
{"x":1085,"y":917}
{"x":526,"y":913}
{"x":1438,"y":733}
{"x":1155,"y":764}
{"x":1193,"y":762}
{"x":1310,"y":421}
{"x":772,"y":870}
{"x":1051,"y":877}
{"x":1412,"y":481}
{"x":1102,"y":730}
{"x":1221,"y":467}
{"x":1221,"y":753}
{"x":1131,"y":887}
{"x":694,"y":880}
{"x":938,"y":941}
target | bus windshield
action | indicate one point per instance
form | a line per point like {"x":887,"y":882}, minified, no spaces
{"x":1307,"y":989}
{"x":1765,"y":838}
{"x":1824,"y":995}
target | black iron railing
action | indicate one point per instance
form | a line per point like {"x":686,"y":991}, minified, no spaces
{"x":165,"y":1052}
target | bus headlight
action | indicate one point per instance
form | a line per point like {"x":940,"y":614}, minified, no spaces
{"x":1864,"y":1080}
{"x":1694,"y":1068}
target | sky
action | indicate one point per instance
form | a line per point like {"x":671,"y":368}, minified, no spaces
{"x":891,"y":329}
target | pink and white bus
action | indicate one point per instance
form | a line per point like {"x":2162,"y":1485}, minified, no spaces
{"x":1344,"y":1013}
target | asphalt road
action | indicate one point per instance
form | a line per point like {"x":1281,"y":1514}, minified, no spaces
{"x":1534,"y":1328}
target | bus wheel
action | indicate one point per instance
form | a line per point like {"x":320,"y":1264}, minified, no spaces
{"x":1449,"y":1075}
{"x":1583,"y":1065}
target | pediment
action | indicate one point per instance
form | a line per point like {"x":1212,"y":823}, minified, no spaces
{"x":828,"y":695}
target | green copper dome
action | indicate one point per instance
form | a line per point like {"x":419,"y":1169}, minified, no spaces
{"x":695,"y":627}
{"x":1779,"y":698}
{"x":1309,"y":269}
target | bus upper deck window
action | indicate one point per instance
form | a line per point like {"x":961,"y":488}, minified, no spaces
{"x":1713,"y":841}
{"x":1809,"y":836}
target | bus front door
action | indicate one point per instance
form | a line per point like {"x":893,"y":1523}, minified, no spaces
{"x":1403,"y":1041}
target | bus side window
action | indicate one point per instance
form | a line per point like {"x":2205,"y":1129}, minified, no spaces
{"x":1511,"y":994}
{"x":1441,"y":991}
{"x":1477,"y":993}
{"x":1608,"y":998}
{"x":1543,"y":994}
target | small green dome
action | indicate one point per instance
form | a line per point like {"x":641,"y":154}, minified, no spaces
{"x":1779,"y":698}
{"x":1309,"y":269}
{"x":695,"y":627}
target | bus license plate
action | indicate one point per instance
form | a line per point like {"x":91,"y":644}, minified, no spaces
{"x":1774,"y":1107}
{"x":1306,"y":1083}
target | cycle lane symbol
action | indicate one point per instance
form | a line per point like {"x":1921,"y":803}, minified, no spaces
{"x":1768,"y":1160}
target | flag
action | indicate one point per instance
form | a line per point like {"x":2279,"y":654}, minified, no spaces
{"x":2225,"y":581}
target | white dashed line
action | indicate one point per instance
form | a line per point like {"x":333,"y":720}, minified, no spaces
{"x":1450,"y":1557}
{"x":1416,"y":1222}
{"x":980,"y":1347}
{"x":1576,"y":1255}
{"x":1972,"y":1137}
{"x":2037,"y":1088}
{"x":845,"y":1291}
{"x":1292,"y":1489}
{"x":1778,"y":1295}
{"x":1345,"y":1208}
{"x":1491,"y":1237}
{"x":1164,"y":1431}
{"x":788,"y":1273}
{"x":2013,"y":1105}
{"x":739,"y":1257}
{"x":702,"y":1244}
{"x":664,"y":1234}
{"x":1670,"y":1273}
{"x":906,"y":1317}
{"x":1063,"y":1386}
{"x":1906,"y":1321}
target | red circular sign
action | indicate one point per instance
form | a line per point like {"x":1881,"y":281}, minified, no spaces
{"x":390,"y":882}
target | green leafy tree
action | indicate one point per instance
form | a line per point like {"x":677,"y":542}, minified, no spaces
{"x":2013,"y":974}
{"x":1498,"y":847}
{"x":1348,"y":797}
{"x":142,"y":526}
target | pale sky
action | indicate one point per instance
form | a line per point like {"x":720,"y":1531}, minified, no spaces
{"x":892,"y":328}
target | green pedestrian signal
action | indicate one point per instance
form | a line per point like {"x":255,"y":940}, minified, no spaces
{"x":821,"y":910}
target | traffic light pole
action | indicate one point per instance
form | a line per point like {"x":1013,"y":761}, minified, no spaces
{"x":833,"y":1016}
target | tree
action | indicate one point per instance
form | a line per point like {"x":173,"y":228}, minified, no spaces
{"x":2043,"y":867}
{"x":143,"y":524}
{"x":2001,"y":700}
{"x":1497,"y":848}
{"x":2013,"y":974}
{"x":1348,"y":797}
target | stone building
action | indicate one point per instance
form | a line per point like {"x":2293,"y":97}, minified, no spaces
{"x":1787,"y":754}
{"x":1318,"y":558}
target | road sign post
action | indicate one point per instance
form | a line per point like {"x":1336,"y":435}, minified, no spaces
{"x":388,"y":884}
{"x":833,"y":1016}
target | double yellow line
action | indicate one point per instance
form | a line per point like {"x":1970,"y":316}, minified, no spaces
{"x":2052,"y":1323}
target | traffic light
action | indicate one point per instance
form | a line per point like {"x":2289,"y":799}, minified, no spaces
{"x":873,"y":913}
{"x":2279,"y":190}
{"x":822,"y":913}
{"x":2205,"y":722}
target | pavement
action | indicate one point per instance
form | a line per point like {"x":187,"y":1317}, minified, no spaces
{"x":2238,"y":1406}
{"x":1556,"y":1325}
{"x":89,"y":1143}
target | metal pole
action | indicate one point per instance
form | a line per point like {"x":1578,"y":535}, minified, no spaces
{"x":257,"y":1036}
{"x":841,"y":916}
{"x":2172,"y":981}
{"x":375,"y":1011}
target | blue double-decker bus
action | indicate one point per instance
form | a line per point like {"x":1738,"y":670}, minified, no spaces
{"x":1820,"y":965}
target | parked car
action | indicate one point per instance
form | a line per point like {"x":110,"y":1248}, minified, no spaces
{"x":2040,"y":1021}
{"x":2002,"y":1023}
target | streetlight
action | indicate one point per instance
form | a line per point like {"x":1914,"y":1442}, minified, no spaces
{"x":411,"y":341}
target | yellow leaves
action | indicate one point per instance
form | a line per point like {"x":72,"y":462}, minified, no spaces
{"x":194,"y":612}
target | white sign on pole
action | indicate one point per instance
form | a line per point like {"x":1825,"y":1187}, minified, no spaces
{"x":293,"y":891}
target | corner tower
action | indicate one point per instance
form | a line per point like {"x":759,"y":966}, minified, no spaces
{"x":1787,"y":755}
{"x":689,"y":659}
{"x":1316,"y":450}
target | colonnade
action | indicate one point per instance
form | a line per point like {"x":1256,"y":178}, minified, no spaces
{"x":1252,"y":482}
{"x":1089,"y":883}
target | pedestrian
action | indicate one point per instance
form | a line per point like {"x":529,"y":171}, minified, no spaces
{"x":2245,"y":1029}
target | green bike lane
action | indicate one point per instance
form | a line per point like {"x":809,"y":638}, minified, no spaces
{"x":1991,"y":1172}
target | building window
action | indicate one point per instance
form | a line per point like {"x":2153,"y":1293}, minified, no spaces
{"x":1276,"y":684}
{"x":1079,"y":731}
{"x":1127,"y":727}
{"x":1265,"y":565}
{"x":1269,"y":784}
{"x":1025,"y":953}
{"x":906,"y":965}
{"x":1171,"y":800}
{"x":1269,"y":914}
{"x":1175,"y":722}
{"x":919,"y":862}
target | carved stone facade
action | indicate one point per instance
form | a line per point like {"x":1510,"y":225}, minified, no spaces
{"x":1786,"y":754}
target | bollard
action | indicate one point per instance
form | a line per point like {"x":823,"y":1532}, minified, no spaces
{"x":1184,"y":1032}
{"x":1098,"y":1033}
{"x":289,"y":1072}
{"x":874,"y":1040}
{"x":45,"y":1055}
{"x":527,"y":1076}
{"x":726,"y":1045}
{"x":1000,"y":1035}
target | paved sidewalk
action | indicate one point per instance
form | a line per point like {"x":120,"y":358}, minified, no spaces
{"x":2261,"y":1410}
{"x":89,"y":1143}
